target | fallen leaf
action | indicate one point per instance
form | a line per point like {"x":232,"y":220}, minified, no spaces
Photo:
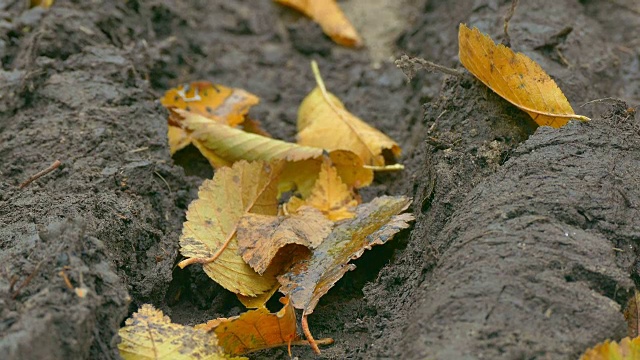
{"x":329,"y":195}
{"x":374,"y":224}
{"x":330,"y":17}
{"x":515,"y":77}
{"x":224,"y":145}
{"x":324,"y":122}
{"x":610,"y":350}
{"x":209,"y":234}
{"x":255,"y":330}
{"x":42,"y":3}
{"x":148,"y":334}
{"x":261,"y":237}
{"x":632,"y":315}
{"x":216,"y":102}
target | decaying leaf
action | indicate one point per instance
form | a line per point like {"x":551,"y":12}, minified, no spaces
{"x":225,"y":145}
{"x":42,"y":3}
{"x":218,"y":103}
{"x":329,"y":195}
{"x":627,"y":349}
{"x":632,"y":315}
{"x":374,"y":224}
{"x":261,"y":237}
{"x":330,"y":17}
{"x":149,"y":335}
{"x":515,"y":77}
{"x":209,"y":234}
{"x":324,"y":122}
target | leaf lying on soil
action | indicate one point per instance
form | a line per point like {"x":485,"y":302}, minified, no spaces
{"x":328,"y":15}
{"x":148,"y":334}
{"x":375,"y":223}
{"x":329,"y":195}
{"x":261,"y":237}
{"x":218,"y":103}
{"x":225,"y":145}
{"x":632,"y":315}
{"x":324,"y":122}
{"x":610,"y":350}
{"x":209,"y":234}
{"x":515,"y":77}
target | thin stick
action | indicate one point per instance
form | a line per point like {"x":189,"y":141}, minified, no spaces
{"x":307,"y":333}
{"x":600,"y":100}
{"x":163,"y":180}
{"x":507,"y":18}
{"x":409,"y":66}
{"x":27,"y":281}
{"x":42,"y":173}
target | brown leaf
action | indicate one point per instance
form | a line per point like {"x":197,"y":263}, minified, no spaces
{"x":330,"y":17}
{"x":375,"y":223}
{"x":324,"y":122}
{"x":632,"y":315}
{"x":515,"y":77}
{"x":261,"y":237}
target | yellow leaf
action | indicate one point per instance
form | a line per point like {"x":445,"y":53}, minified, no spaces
{"x":330,"y":17}
{"x":149,"y":335}
{"x":209,"y":234}
{"x":375,"y":223}
{"x":261,"y":237}
{"x":324,"y":122}
{"x":515,"y":77}
{"x":227,"y":145}
{"x":256,"y":330}
{"x":329,"y":195}
{"x":216,"y":102}
{"x":610,"y":350}
{"x":42,"y":3}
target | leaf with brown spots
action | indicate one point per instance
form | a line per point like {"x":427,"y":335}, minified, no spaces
{"x":149,"y":335}
{"x":324,"y":122}
{"x":209,"y":234}
{"x":330,"y":17}
{"x":375,"y":223}
{"x":627,"y":349}
{"x":262,"y":237}
{"x":329,"y":195}
{"x":218,"y":103}
{"x":224,"y":145}
{"x":515,"y":77}
{"x":257,"y":330}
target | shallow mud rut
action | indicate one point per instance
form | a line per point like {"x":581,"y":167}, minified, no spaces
{"x":525,"y":244}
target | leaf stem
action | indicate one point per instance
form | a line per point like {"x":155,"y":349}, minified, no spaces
{"x":212,"y":258}
{"x":307,"y":334}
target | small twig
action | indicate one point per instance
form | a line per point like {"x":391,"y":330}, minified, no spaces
{"x":27,"y":280}
{"x":163,"y":180}
{"x":599,"y":100}
{"x":410,"y":65}
{"x":42,"y":173}
{"x":66,"y":279}
{"x":507,"y":19}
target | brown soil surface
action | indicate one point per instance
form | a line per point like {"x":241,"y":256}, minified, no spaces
{"x":526,"y":239}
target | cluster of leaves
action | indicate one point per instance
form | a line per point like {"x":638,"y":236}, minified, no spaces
{"x":276,"y":215}
{"x":287,"y":216}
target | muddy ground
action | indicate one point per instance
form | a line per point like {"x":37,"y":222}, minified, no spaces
{"x":526,"y":239}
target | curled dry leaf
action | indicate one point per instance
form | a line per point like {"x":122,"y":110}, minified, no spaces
{"x":209,"y":234}
{"x":632,"y":315}
{"x":330,"y":17}
{"x":218,"y":103}
{"x":262,"y":237}
{"x":256,"y":330}
{"x":329,"y":195}
{"x":324,"y":122}
{"x":149,"y":335}
{"x":627,"y":349}
{"x":515,"y":77}
{"x":226,"y":145}
{"x":375,"y":223}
